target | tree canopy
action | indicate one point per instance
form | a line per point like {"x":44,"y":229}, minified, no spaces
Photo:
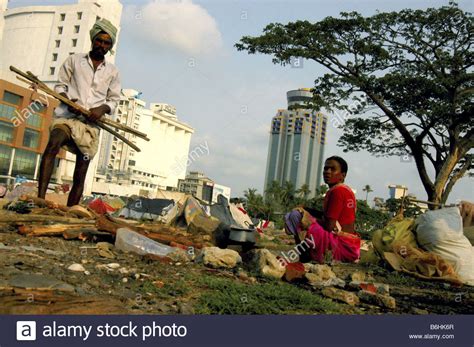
{"x":398,"y":83}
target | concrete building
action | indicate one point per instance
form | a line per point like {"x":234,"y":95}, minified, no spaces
{"x":161,"y":161}
{"x":297,"y":141}
{"x":40,"y":38}
{"x":199,"y":185}
{"x":25,"y":117}
{"x":396,"y":191}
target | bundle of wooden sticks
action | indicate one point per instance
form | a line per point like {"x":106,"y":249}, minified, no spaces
{"x":103,"y":123}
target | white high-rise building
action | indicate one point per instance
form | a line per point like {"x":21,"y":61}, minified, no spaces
{"x":297,"y":141}
{"x":161,"y":161}
{"x":40,"y":38}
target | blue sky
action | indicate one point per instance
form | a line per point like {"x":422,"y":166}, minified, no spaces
{"x":181,"y":52}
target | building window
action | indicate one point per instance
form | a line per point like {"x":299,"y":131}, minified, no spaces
{"x":8,"y":112}
{"x":62,"y":17}
{"x":5,"y":155}
{"x":52,"y":69}
{"x":131,"y":162}
{"x":12,"y":98}
{"x":24,"y":163}
{"x":31,"y":138}
{"x":60,"y":30}
{"x":58,"y":43}
{"x":74,"y":42}
{"x":76,"y":29}
{"x":71,"y":53}
{"x":6,"y":132}
{"x":55,"y":56}
{"x":79,"y":15}
{"x":34,"y":120}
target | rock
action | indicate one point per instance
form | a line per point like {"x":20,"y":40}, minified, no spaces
{"x":105,"y":250}
{"x":358,"y":276}
{"x":322,"y":276}
{"x":377,"y":299}
{"x":87,"y":273}
{"x":123,"y":270}
{"x":125,"y":280}
{"x":76,"y":267}
{"x":216,"y":258}
{"x":341,"y":295}
{"x":294,"y":271}
{"x":40,"y":282}
{"x":266,"y":264}
{"x":323,"y":271}
{"x":113,"y":266}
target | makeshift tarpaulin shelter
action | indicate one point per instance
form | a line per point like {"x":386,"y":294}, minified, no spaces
{"x":190,"y":214}
{"x":144,"y":208}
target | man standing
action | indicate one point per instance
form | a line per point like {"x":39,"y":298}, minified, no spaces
{"x":92,"y":82}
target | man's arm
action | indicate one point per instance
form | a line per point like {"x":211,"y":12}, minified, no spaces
{"x":64,"y":77}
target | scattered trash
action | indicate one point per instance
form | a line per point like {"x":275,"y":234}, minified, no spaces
{"x":294,"y":271}
{"x":130,"y":241}
{"x":265,"y":263}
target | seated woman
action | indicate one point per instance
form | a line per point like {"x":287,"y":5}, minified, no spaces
{"x":336,"y":231}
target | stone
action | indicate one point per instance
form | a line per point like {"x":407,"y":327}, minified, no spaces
{"x":76,"y":267}
{"x":358,"y":276}
{"x":319,"y":275}
{"x":377,"y":299}
{"x":40,"y":282}
{"x":265,"y":263}
{"x":105,"y":250}
{"x":294,"y":271}
{"x":216,"y":257}
{"x":113,"y":266}
{"x":341,"y":295}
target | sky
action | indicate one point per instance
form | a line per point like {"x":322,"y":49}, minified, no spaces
{"x":182,"y":52}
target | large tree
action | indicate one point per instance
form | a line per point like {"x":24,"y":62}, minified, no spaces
{"x":398,"y":83}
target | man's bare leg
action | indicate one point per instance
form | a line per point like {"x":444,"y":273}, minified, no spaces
{"x":80,"y":171}
{"x":56,"y":139}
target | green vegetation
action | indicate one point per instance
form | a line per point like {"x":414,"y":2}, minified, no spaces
{"x":226,"y":296}
{"x":397,"y":83}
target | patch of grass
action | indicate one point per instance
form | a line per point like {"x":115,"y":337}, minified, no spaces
{"x":225,"y":296}
{"x":170,"y":289}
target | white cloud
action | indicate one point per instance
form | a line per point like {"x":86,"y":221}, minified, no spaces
{"x":182,"y":25}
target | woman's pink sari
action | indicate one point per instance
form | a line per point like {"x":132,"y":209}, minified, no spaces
{"x":344,"y":247}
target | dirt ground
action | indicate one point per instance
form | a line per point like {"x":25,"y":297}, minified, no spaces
{"x":35,"y":279}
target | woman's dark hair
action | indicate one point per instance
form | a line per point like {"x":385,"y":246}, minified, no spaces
{"x":341,"y":162}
